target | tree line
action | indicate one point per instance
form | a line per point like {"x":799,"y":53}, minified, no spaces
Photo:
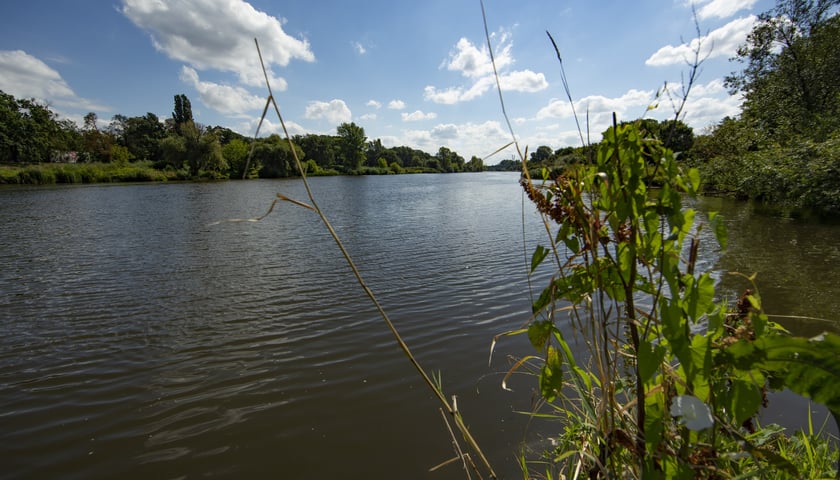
{"x":31,"y":133}
{"x":784,"y":147}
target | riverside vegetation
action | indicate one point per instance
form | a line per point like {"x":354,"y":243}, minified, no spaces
{"x":651,"y":372}
{"x":36,"y":147}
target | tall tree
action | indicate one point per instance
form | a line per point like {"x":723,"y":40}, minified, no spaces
{"x":352,"y":144}
{"x":792,"y":64}
{"x":183,"y":111}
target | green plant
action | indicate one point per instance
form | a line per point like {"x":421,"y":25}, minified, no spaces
{"x":672,"y":380}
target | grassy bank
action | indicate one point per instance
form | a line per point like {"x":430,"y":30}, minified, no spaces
{"x":69,"y":173}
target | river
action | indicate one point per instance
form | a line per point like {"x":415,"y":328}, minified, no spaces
{"x":143,"y":336}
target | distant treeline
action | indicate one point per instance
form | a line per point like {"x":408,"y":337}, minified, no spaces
{"x":178,"y":147}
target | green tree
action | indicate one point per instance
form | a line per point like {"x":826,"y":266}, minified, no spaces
{"x":789,"y":81}
{"x":321,"y":148}
{"x":183,"y":111}
{"x":352,"y":143}
{"x":449,"y":161}
{"x":276,"y":158}
{"x":236,"y":155}
{"x":98,"y":145}
{"x":541,"y":155}
{"x":142,"y":136}
{"x":475,"y":164}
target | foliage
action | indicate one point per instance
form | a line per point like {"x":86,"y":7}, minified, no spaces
{"x":783,"y":149}
{"x":30,"y":133}
{"x":352,"y":141}
{"x":805,"y":176}
{"x":672,"y":379}
{"x":789,"y":81}
{"x":69,"y":173}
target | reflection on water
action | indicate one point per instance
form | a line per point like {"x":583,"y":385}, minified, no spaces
{"x":140,"y":340}
{"x":795,"y":262}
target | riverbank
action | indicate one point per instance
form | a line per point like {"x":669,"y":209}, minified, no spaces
{"x":144,"y":171}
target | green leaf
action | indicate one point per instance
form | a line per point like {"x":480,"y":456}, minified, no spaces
{"x":539,"y":255}
{"x":694,"y":179}
{"x":809,"y":367}
{"x":699,"y":295}
{"x":539,"y":333}
{"x":551,"y":376}
{"x":650,"y":358}
{"x":746,"y":400}
{"x":719,"y":227}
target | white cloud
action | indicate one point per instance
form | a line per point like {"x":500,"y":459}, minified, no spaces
{"x":359,"y":48}
{"x":223,"y":98}
{"x":268,"y":127}
{"x":374,"y":104}
{"x":334,"y":111}
{"x":396,"y":105}
{"x":597,"y":110}
{"x":454,"y":95}
{"x":25,"y":76}
{"x":217,"y":34}
{"x":523,"y":81}
{"x":723,"y":8}
{"x":466,"y":139}
{"x":418,"y":116}
{"x":721,"y":42}
{"x":475,"y":64}
{"x":368,"y":116}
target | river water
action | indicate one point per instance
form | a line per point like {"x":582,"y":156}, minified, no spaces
{"x":143,"y":336}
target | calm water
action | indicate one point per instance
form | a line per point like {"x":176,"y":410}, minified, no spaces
{"x":142,"y":340}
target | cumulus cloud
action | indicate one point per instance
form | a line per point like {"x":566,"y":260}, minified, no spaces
{"x":475,"y":64}
{"x":217,"y":34}
{"x":467,"y":139}
{"x":600,"y":108}
{"x":374,"y":104}
{"x":722,"y":42}
{"x":334,"y":111}
{"x":723,"y":8}
{"x":523,"y":81}
{"x":25,"y":76}
{"x":223,"y":98}
{"x":417,"y":116}
{"x":368,"y":116}
{"x":396,"y":105}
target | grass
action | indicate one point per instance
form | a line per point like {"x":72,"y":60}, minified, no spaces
{"x":76,"y":173}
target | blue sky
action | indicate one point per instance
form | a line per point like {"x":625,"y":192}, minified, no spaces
{"x":413,"y":73}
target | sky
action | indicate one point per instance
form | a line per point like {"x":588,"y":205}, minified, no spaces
{"x":415,"y":73}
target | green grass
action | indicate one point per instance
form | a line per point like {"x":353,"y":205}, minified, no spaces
{"x":74,"y":173}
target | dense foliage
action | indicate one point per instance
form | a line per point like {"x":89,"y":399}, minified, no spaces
{"x":652,"y":376}
{"x":38,"y":147}
{"x":785,"y":146}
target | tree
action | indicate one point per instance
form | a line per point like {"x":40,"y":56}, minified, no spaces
{"x":276,"y":158}
{"x":142,"y":136}
{"x":183,"y":111}
{"x":541,"y":154}
{"x":321,"y":148}
{"x":236,"y":155}
{"x":352,"y":142}
{"x":789,"y":81}
{"x":475,"y":164}
{"x":449,"y":161}
{"x":98,"y":145}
